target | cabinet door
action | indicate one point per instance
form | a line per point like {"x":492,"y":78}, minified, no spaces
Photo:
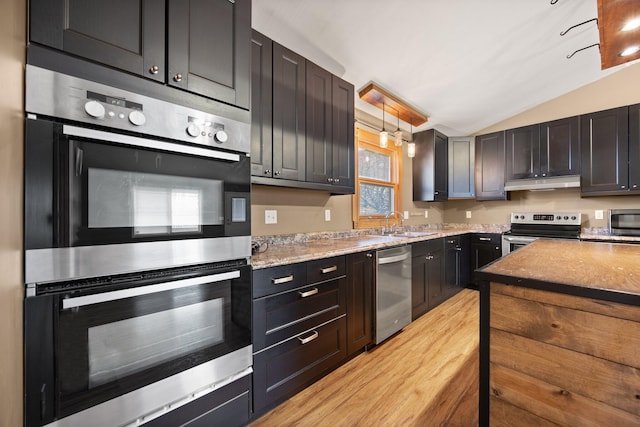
{"x":430,"y":165}
{"x":261,"y":105}
{"x":124,"y":34}
{"x":523,"y":152}
{"x":461,"y":165}
{"x":489,"y":167}
{"x":318,"y":124}
{"x":634,"y":147}
{"x":359,"y":301}
{"x":343,"y":134}
{"x":441,"y":167}
{"x":419,"y":295}
{"x":288,"y":114}
{"x":560,"y":147}
{"x":209,"y":48}
{"x":437,"y":289}
{"x":605,"y":151}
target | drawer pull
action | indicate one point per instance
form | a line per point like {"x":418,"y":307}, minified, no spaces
{"x":282,"y":280}
{"x":310,"y":338}
{"x":485,"y":239}
{"x":329,"y":269}
{"x":308,"y":293}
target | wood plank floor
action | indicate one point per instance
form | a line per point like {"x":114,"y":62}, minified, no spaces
{"x":427,"y":375}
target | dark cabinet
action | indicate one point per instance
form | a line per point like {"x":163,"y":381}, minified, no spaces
{"x":289,"y":115}
{"x":261,"y":104}
{"x":543,"y":150}
{"x":560,"y":147}
{"x":485,"y":248}
{"x":299,"y":327}
{"x":302,"y":122}
{"x":490,"y":167}
{"x":428,"y":288}
{"x":207,"y":42}
{"x":461,"y":167}
{"x":430,"y":166}
{"x":605,"y":152}
{"x":634,"y":148}
{"x":457,"y":263}
{"x":523,"y":152}
{"x":359,"y":301}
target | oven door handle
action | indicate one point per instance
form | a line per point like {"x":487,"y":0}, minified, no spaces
{"x":147,"y":143}
{"x":146,"y":290}
{"x":520,"y":239}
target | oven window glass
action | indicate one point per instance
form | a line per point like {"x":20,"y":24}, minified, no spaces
{"x":153,"y":204}
{"x":121,"y":348}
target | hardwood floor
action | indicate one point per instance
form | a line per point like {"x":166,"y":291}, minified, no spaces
{"x":427,"y":375}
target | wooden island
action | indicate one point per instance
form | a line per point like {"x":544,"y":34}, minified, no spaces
{"x":560,"y":335}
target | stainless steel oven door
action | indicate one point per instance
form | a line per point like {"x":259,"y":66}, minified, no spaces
{"x":510,"y":243}
{"x":110,"y":341}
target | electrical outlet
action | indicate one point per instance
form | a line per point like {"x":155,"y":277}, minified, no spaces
{"x":426,"y":214}
{"x":327,"y":214}
{"x":406,"y":214}
{"x":468,"y":214}
{"x":599,"y":214}
{"x":270,"y":217}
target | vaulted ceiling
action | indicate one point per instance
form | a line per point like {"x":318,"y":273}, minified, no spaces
{"x":467,"y":64}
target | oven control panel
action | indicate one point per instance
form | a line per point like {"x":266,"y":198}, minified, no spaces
{"x":555,"y":218}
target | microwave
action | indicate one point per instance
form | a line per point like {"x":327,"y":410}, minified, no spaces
{"x":624,"y":222}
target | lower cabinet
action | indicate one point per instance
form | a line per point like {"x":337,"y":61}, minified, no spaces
{"x":485,"y":248}
{"x":228,"y":406}
{"x":457,"y":258}
{"x":427,"y":276}
{"x":360,"y":286}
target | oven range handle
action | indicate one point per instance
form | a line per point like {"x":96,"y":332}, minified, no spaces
{"x":519,"y":239}
{"x":147,"y":143}
{"x":146,"y":290}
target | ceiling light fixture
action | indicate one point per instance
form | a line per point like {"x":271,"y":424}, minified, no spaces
{"x":398,"y":134}
{"x":411,"y":146}
{"x":631,"y":24}
{"x":630,"y":51}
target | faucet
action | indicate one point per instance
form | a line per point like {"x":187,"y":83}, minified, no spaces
{"x":386,"y":218}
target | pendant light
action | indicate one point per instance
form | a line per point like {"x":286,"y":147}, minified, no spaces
{"x":411,"y":146}
{"x":398,"y":133}
{"x":384,"y":135}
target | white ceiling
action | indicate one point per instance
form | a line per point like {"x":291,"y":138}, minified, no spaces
{"x":467,"y":64}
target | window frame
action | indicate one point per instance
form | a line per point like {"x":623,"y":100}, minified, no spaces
{"x":370,"y":141}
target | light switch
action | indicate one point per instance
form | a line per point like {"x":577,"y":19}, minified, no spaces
{"x":468,"y":214}
{"x":327,"y":214}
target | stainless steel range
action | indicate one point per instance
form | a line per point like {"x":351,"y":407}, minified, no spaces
{"x":529,"y":226}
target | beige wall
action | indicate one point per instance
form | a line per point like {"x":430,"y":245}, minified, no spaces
{"x":12,"y":50}
{"x":304,"y":210}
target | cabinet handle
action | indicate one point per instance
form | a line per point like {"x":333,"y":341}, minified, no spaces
{"x":430,"y":257}
{"x":436,"y":193}
{"x":330,"y":180}
{"x":282,"y":280}
{"x":369,"y":255}
{"x":497,"y":248}
{"x":535,"y":175}
{"x":544,"y":174}
{"x":336,"y":180}
{"x":267,"y":172}
{"x":458,"y":248}
{"x":451,"y":241}
{"x":329,"y":269}
{"x":177,"y":77}
{"x":276,"y":173}
{"x":485,"y":239}
{"x":634,"y":186}
{"x":310,"y":338}
{"x":308,"y":293}
{"x":623,"y":186}
{"x":154,"y":69}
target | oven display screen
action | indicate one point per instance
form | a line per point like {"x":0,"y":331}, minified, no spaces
{"x":543,"y":217}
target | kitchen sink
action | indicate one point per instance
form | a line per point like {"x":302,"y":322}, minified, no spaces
{"x":409,"y":234}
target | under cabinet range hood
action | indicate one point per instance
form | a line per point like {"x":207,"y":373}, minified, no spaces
{"x":550,"y":183}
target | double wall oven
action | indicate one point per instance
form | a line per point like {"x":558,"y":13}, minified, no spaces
{"x":529,"y":226}
{"x":137,"y":253}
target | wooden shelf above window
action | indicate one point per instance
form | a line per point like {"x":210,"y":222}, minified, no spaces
{"x":378,"y":97}
{"x":612,"y":15}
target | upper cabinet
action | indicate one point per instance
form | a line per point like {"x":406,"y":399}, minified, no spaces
{"x":523,"y":152}
{"x":605,"y":151}
{"x":302,"y":122}
{"x":461,"y":165}
{"x":634,"y":147}
{"x":207,"y":42}
{"x":430,"y":166}
{"x":490,"y":166}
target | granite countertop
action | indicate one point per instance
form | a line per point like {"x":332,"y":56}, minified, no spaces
{"x":613,"y":267}
{"x":291,"y":251}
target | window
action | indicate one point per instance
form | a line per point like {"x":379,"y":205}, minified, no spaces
{"x":377,"y":181}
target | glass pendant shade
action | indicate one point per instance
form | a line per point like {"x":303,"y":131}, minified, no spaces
{"x":384,"y":139}
{"x":398,"y":138}
{"x":411,"y":149}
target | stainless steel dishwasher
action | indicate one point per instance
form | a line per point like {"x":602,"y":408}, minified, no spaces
{"x":393,"y":291}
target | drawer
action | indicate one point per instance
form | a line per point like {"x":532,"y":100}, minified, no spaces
{"x":279,"y":317}
{"x":426,"y":247}
{"x":325,"y":269}
{"x":283,"y":370}
{"x":487,"y":238}
{"x":273,"y":280}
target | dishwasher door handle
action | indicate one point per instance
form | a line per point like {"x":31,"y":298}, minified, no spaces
{"x":392,"y":259}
